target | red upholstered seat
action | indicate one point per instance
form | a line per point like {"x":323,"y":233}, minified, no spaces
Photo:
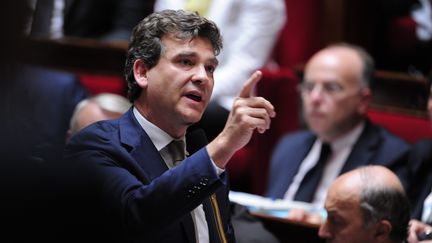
{"x":410,"y":128}
{"x":99,"y":83}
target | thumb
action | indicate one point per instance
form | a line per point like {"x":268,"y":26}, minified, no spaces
{"x":250,"y":84}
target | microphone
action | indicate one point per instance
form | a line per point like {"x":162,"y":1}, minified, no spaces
{"x":195,"y":140}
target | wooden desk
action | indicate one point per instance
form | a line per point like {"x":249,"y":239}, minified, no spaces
{"x":289,"y":231}
{"x":77,"y":54}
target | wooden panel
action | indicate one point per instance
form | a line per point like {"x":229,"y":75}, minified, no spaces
{"x":77,"y":55}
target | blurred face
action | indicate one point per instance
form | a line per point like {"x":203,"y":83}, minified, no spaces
{"x":334,"y":101}
{"x":344,"y":221}
{"x":177,"y":90}
{"x":90,"y":114}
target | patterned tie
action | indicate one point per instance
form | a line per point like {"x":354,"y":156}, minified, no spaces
{"x":174,"y":153}
{"x":310,"y":182}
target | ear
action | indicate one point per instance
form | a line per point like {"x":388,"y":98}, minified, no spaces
{"x":365,"y":98}
{"x":383,"y":230}
{"x":140,"y":73}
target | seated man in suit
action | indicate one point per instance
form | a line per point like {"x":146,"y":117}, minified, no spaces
{"x":367,"y":204}
{"x":419,"y":190}
{"x":336,"y":93}
{"x":135,"y":184}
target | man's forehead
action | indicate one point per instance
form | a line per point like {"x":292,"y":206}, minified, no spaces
{"x":194,"y":48}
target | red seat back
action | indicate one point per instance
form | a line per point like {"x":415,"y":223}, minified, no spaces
{"x":410,"y":128}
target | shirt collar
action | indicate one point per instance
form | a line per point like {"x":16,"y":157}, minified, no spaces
{"x":349,"y":139}
{"x":158,"y":136}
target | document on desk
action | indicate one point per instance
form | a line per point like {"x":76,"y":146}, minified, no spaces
{"x":273,"y":207}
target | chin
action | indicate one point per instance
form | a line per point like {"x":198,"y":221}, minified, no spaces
{"x":192,"y":118}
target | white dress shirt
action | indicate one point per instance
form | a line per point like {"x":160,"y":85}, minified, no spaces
{"x":427,"y":209}
{"x":341,"y":148}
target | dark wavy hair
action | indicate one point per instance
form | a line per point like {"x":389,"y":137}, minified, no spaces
{"x":146,"y":40}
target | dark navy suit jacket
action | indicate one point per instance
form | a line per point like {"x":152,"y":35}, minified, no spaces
{"x":420,"y":164}
{"x":374,"y":146}
{"x":38,"y":106}
{"x":138,"y":197}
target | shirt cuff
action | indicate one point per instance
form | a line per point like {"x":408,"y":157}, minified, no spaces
{"x":218,"y":170}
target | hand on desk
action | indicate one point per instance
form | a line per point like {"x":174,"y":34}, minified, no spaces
{"x":301,"y":215}
{"x":416,"y":227}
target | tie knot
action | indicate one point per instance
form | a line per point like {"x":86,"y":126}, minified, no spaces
{"x":176,"y":149}
{"x":326,"y":148}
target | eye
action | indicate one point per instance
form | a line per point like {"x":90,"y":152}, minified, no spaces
{"x":186,"y":62}
{"x":335,"y":221}
{"x":307,"y":87}
{"x":210,"y":69}
{"x":332,"y":88}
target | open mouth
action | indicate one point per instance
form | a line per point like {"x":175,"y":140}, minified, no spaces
{"x":194,"y":97}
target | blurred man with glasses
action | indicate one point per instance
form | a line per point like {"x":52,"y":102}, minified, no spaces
{"x":335,"y":93}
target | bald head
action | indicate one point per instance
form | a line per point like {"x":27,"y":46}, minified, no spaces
{"x":355,"y":62}
{"x":102,"y":106}
{"x":373,"y":176}
{"x":368,"y":204}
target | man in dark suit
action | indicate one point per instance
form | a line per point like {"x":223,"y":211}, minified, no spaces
{"x":420,"y":187}
{"x":335,"y":93}
{"x":142,"y":189}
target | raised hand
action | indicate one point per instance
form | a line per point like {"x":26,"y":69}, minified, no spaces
{"x":249,"y":113}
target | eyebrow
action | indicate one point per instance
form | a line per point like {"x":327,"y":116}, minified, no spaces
{"x":188,"y":54}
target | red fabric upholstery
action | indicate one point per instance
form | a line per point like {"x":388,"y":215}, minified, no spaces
{"x":300,"y":36}
{"x":409,"y":128}
{"x":248,"y":167}
{"x":98,"y":83}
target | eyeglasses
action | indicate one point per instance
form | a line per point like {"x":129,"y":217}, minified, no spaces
{"x":329,"y":88}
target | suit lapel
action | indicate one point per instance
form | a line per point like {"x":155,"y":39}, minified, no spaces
{"x":299,"y":153}
{"x":137,"y":142}
{"x":364,"y":149}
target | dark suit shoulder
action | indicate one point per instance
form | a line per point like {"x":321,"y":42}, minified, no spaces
{"x":421,"y":156}
{"x":96,"y":133}
{"x":294,"y":138}
{"x":387,"y":143}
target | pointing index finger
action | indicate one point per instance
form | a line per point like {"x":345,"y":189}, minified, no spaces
{"x":250,"y":84}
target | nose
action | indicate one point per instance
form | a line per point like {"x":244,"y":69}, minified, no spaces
{"x":317,"y":92}
{"x":324,"y":232}
{"x":200,"y":75}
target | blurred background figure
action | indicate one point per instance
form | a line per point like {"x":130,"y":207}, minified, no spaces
{"x":250,"y":29}
{"x":336,"y":94}
{"x":99,"y":19}
{"x":420,"y":189}
{"x":404,"y":36}
{"x":36,"y":105}
{"x":102,"y":106}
